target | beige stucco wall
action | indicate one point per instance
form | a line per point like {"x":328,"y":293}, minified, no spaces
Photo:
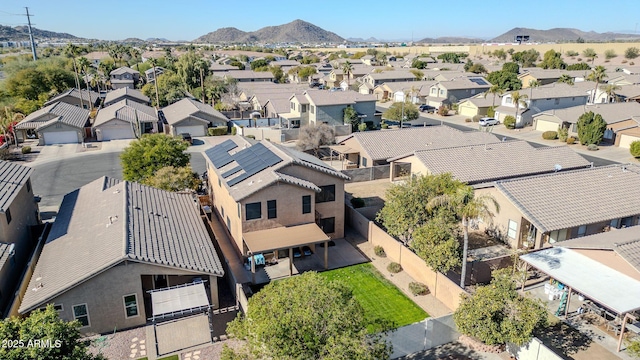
{"x":104,"y":293}
{"x":188,"y":122}
{"x":467,"y":108}
{"x":227,"y":207}
{"x":507,"y":212}
{"x":355,"y":146}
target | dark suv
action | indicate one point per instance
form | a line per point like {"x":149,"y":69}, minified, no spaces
{"x":187,"y":137}
{"x":427,"y":108}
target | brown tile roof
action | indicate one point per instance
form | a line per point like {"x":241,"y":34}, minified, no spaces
{"x":60,"y":112}
{"x":386,"y":144}
{"x":500,"y":160}
{"x":249,"y":74}
{"x":127,"y":222}
{"x":126,"y":110}
{"x":574,"y":198}
{"x":12,"y":178}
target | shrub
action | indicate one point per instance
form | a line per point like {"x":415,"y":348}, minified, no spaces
{"x":251,"y":137}
{"x":379,"y":251}
{"x":632,"y":63}
{"x":592,"y":147}
{"x":550,"y":135}
{"x":417,"y":288}
{"x":370,"y":125}
{"x":610,"y":54}
{"x":563,"y":133}
{"x":491,"y":112}
{"x":217,"y":131}
{"x":234,"y":130}
{"x":362,"y":127}
{"x":509,"y":122}
{"x":467,"y":120}
{"x":4,"y":154}
{"x":579,"y":59}
{"x":631,"y":53}
{"x":624,"y":61}
{"x":357,"y":202}
{"x":572,"y":53}
{"x":443,"y":110}
{"x":384,"y":126}
{"x":634,"y":149}
{"x":26,"y":149}
{"x":571,"y":140}
{"x":476,"y":118}
{"x":394,"y":268}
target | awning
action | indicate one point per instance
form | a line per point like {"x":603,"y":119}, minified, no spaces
{"x":343,"y":149}
{"x":284,"y":237}
{"x":179,"y":300}
{"x":600,"y":283}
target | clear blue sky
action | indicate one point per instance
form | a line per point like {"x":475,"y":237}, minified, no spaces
{"x":189,"y":19}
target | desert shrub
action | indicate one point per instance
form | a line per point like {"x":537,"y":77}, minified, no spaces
{"x":579,"y":59}
{"x":467,"y":120}
{"x":357,"y":202}
{"x":563,"y":133}
{"x":572,"y":53}
{"x":443,"y":110}
{"x":251,"y":137}
{"x":592,"y":147}
{"x":610,"y":54}
{"x":394,"y":268}
{"x":362,"y":127}
{"x":477,"y":118}
{"x":632,"y":53}
{"x":571,"y":140}
{"x":632,"y":63}
{"x":370,"y":125}
{"x":509,"y":122}
{"x":624,"y":61}
{"x":550,"y":135}
{"x":418,"y":288}
{"x":26,"y":149}
{"x":234,"y":130}
{"x":634,"y":149}
{"x":379,"y":251}
{"x":217,"y":131}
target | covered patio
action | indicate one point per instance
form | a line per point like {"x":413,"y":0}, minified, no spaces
{"x":346,"y":157}
{"x":608,"y":288}
{"x":283,"y":238}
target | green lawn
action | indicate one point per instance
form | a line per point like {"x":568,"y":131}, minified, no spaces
{"x":380,"y":298}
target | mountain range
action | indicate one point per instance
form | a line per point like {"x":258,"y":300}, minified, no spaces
{"x":18,"y":33}
{"x":297,"y":31}
{"x":562,"y":34}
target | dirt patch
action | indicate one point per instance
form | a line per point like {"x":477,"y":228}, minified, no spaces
{"x":119,"y":345}
{"x":478,"y":240}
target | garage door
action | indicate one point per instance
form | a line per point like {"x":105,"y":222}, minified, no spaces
{"x":195,"y":130}
{"x":117,"y":133}
{"x":468,"y":111}
{"x":626,"y":140}
{"x":543,"y":125}
{"x":60,"y":137}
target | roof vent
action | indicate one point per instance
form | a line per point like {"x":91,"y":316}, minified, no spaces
{"x":250,"y":182}
{"x":38,"y":287}
{"x":557,"y":167}
{"x":624,"y":168}
{"x":116,"y":191}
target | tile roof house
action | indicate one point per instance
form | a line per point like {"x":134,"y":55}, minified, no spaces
{"x":114,"y":96}
{"x":125,"y":119}
{"x":395,"y":91}
{"x":623,"y":121}
{"x":19,"y":217}
{"x":150,"y":75}
{"x":455,"y":90}
{"x":477,"y":105}
{"x":319,"y":106}
{"x":72,"y":96}
{"x":375,"y":79}
{"x":193,"y":117}
{"x":58,"y":123}
{"x":549,"y":76}
{"x":249,"y":76}
{"x":141,"y":239}
{"x":555,"y":207}
{"x":372,"y":148}
{"x":259,"y":188}
{"x":124,"y":76}
{"x":480,"y":164}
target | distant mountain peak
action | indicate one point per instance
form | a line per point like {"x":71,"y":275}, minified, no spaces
{"x":561,"y":34}
{"x":296,"y":31}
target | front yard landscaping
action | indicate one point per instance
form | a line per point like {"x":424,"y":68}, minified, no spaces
{"x":378,"y":296}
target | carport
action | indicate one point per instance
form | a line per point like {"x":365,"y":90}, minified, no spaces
{"x":286,"y":237}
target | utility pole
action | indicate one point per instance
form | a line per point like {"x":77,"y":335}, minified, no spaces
{"x":33,"y":44}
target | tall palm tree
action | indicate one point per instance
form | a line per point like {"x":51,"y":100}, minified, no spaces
{"x":154,"y":63}
{"x":347,"y":68}
{"x":518,"y":99}
{"x":202,"y":66}
{"x":610,"y":90}
{"x":135,"y":54}
{"x":532,"y":84}
{"x":598,"y":74}
{"x":83,"y":65}
{"x":495,"y":90}
{"x":72,"y":50}
{"x":466,"y":206}
{"x":566,"y":79}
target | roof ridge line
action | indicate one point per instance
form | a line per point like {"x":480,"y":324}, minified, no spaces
{"x":125,"y":220}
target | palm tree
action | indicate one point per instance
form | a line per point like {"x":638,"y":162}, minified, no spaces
{"x":466,"y":206}
{"x":347,"y":68}
{"x":495,"y":90}
{"x":154,"y":63}
{"x":72,"y":50}
{"x":83,"y":65}
{"x":598,"y":74}
{"x":610,"y":90}
{"x":566,"y":79}
{"x":202,"y":66}
{"x":518,"y":99}
{"x":135,"y":54}
{"x":532,"y":84}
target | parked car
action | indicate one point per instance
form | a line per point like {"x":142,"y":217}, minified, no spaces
{"x":335,"y":89}
{"x":427,"y":108}
{"x":321,"y":87}
{"x":314,"y":84}
{"x":187,"y":137}
{"x":297,"y":253}
{"x":306,"y":251}
{"x":487,"y":121}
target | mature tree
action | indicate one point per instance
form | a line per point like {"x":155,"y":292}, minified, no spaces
{"x":154,"y":63}
{"x":591,"y":128}
{"x":497,"y":314}
{"x":478,"y":69}
{"x":237,"y":64}
{"x":533,"y":84}
{"x":170,"y":89}
{"x":610,"y":90}
{"x":307,"y":317}
{"x":145,"y":156}
{"x":579,"y":66}
{"x":188,"y":68}
{"x":312,"y":137}
{"x":511,"y":67}
{"x":216,"y":88}
{"x":519,"y":100}
{"x":589,"y":53}
{"x":259,"y":63}
{"x":552,"y":60}
{"x":66,"y":341}
{"x":72,"y":50}
{"x":436,"y":243}
{"x":310,"y":59}
{"x":402,"y":111}
{"x":494,"y":90}
{"x":466,"y":206}
{"x":351,"y":117}
{"x":631,"y":53}
{"x":597,"y":75}
{"x":278,"y":75}
{"x":417,"y":73}
{"x":526,"y":58}
{"x":83,"y":66}
{"x":171,"y":178}
{"x":406,"y":209}
{"x":37,"y":82}
{"x":506,"y":80}
{"x":347,"y":68}
{"x":418,"y":64}
{"x":450,"y":57}
{"x":8,"y":120}
{"x":566,"y":79}
{"x":634,"y":149}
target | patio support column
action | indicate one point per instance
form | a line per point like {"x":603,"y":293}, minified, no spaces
{"x":524,"y":280}
{"x":624,"y":322}
{"x":253,"y":268}
{"x":566,"y":309}
{"x":326,"y":255}
{"x":290,"y":261}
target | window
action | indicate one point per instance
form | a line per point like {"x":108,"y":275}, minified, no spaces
{"x":29,"y":185}
{"x":8,"y":213}
{"x":306,"y":204}
{"x":582,"y":230}
{"x":507,"y":100}
{"x":433,"y":90}
{"x":327,"y":194}
{"x":228,"y":223}
{"x":272,"y":212}
{"x":628,"y":221}
{"x":312,"y":109}
{"x":293,"y":106}
{"x":615,"y":223}
{"x":574,"y":127}
{"x":364,"y":161}
{"x":253,"y":211}
{"x":304,"y":108}
{"x":130,"y":305}
{"x":328,"y":225}
{"x":81,"y":313}
{"x":513,"y":226}
{"x":239,"y":211}
{"x":222,"y":211}
{"x":556,"y":101}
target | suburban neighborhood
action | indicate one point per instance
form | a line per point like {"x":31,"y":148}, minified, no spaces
{"x":324,"y":198}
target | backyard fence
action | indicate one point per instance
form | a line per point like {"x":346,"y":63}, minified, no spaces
{"x":534,"y":350}
{"x":423,"y":335}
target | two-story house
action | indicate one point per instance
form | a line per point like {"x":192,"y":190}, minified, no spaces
{"x":151,"y":75}
{"x":375,"y":79}
{"x":124,"y":77}
{"x":549,"y":76}
{"x":318,"y":106}
{"x":453,"y":91}
{"x":414,"y":91}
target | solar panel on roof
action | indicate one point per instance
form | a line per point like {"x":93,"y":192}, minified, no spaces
{"x":478,"y":81}
{"x":228,"y":145}
{"x":252,"y":160}
{"x":231,"y":172}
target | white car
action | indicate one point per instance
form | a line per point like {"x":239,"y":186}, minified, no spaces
{"x":487,"y":121}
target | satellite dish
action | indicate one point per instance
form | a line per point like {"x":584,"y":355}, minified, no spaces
{"x":557,"y":167}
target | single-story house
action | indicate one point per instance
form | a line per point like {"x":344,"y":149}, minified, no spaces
{"x":58,"y":123}
{"x":111,"y":243}
{"x":477,"y":105}
{"x":249,"y":76}
{"x":193,"y":117}
{"x":125,"y":119}
{"x":114,"y":96}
